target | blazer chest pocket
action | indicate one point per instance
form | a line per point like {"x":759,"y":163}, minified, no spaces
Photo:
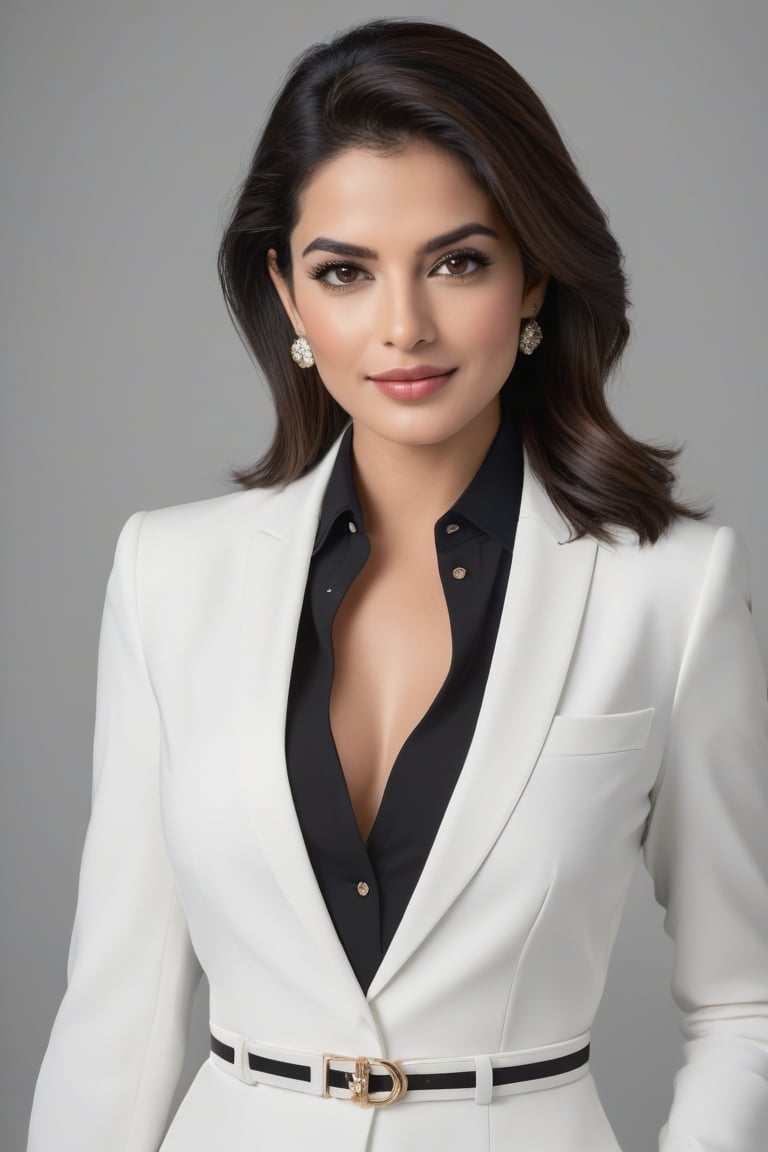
{"x":598,"y":735}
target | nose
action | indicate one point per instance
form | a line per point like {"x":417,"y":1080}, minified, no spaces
{"x":405,"y":315}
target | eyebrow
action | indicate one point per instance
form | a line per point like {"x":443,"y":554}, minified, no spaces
{"x":341,"y":248}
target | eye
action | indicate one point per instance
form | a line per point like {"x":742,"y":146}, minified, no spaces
{"x":345,"y":274}
{"x":458,"y":265}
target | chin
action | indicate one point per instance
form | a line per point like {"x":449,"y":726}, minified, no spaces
{"x":418,"y":427}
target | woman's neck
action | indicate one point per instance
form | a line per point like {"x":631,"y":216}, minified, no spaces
{"x":404,"y":488}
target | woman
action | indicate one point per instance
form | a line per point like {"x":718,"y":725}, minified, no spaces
{"x":380,"y":736}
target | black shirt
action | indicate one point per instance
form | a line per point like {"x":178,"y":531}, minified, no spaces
{"x":367,"y":884}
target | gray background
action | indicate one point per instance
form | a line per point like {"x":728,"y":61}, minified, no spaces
{"x":125,"y":128}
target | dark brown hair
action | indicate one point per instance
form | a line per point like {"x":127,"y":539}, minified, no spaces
{"x":379,"y":86}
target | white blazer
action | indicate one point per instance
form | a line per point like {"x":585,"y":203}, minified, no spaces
{"x":625,"y":712}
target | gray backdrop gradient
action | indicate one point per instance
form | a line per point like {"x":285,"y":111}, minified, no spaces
{"x":125,"y":127}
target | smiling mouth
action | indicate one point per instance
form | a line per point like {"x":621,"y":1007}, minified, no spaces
{"x":408,"y":388}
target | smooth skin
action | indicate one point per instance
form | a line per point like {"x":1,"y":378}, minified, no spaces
{"x":459,"y":305}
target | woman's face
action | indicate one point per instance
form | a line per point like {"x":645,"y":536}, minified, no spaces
{"x":404,"y":262}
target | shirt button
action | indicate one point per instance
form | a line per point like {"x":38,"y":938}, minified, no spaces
{"x":459,"y":573}
{"x":451,"y":528}
{"x":362,"y":888}
{"x":352,"y":526}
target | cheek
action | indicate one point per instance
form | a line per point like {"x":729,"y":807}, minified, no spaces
{"x":334,"y":334}
{"x":490,"y":325}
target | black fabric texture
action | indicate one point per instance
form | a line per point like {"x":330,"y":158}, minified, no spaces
{"x":430,"y":761}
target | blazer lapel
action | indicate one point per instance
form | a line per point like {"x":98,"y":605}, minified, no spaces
{"x":548,"y":586}
{"x":279,"y":552}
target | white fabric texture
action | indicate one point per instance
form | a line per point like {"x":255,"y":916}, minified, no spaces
{"x":625,"y":713}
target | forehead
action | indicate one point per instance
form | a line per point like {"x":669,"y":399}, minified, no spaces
{"x":414,"y":193}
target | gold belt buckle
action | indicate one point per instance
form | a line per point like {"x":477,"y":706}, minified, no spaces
{"x":360,"y":1078}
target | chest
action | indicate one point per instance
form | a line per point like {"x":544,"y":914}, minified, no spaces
{"x":391,"y":639}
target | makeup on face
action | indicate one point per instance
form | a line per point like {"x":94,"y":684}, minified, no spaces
{"x":413,"y":382}
{"x":409,"y":286}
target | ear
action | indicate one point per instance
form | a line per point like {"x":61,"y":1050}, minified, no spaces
{"x":284,"y":292}
{"x":533,"y":298}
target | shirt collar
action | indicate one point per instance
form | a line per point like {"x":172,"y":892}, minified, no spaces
{"x":340,"y":493}
{"x":491,"y":500}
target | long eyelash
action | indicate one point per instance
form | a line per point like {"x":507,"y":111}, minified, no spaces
{"x":318,"y":272}
{"x":321,"y":269}
{"x":472,"y":253}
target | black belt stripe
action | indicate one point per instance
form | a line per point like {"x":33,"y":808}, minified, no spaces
{"x":419,"y":1081}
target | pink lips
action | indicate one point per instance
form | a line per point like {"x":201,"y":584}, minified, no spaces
{"x":413,"y":382}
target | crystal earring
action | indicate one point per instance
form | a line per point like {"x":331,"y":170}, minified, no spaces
{"x":530,"y":337}
{"x":301,"y":352}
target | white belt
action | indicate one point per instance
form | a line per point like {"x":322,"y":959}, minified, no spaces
{"x":374,"y":1081}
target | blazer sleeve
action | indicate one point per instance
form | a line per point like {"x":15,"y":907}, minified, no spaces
{"x":118,"y":1040}
{"x":706,"y":847}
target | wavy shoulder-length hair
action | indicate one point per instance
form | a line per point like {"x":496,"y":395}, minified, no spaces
{"x":379,"y":86}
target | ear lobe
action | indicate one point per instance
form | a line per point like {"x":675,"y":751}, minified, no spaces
{"x":535,"y":292}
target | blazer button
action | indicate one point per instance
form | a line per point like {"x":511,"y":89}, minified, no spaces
{"x":362,"y":888}
{"x":459,"y":573}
